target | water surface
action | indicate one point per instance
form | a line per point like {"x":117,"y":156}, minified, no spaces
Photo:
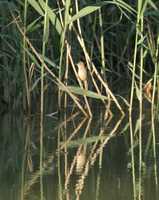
{"x":82,"y":158}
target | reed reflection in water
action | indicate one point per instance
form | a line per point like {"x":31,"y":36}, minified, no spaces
{"x":82,"y":158}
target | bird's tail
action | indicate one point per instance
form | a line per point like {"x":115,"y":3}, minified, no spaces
{"x":85,"y":85}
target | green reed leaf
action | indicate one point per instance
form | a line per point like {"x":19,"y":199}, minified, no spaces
{"x":36,"y":6}
{"x":84,"y":141}
{"x":92,"y":8}
{"x":52,"y":16}
{"x":88,"y":93}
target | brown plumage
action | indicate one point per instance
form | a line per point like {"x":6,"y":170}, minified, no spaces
{"x":148,"y":89}
{"x":82,"y":74}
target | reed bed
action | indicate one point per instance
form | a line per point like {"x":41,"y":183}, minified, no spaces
{"x":107,"y":36}
{"x":43,"y":46}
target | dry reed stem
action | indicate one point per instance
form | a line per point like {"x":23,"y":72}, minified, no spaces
{"x":95,"y":151}
{"x":78,"y":151}
{"x":80,"y":33}
{"x":97,"y":74}
{"x":66,"y":75}
{"x":48,"y":70}
{"x":79,"y":81}
{"x":88,"y":60}
{"x":73,"y":134}
{"x":36,"y":174}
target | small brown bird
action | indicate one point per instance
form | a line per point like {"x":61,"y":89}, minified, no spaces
{"x":148,"y":89}
{"x":82,"y":74}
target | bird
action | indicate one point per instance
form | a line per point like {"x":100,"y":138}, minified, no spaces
{"x":148,"y":89}
{"x":82,"y":74}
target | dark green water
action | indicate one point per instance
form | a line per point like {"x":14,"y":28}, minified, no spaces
{"x":82,"y":159}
